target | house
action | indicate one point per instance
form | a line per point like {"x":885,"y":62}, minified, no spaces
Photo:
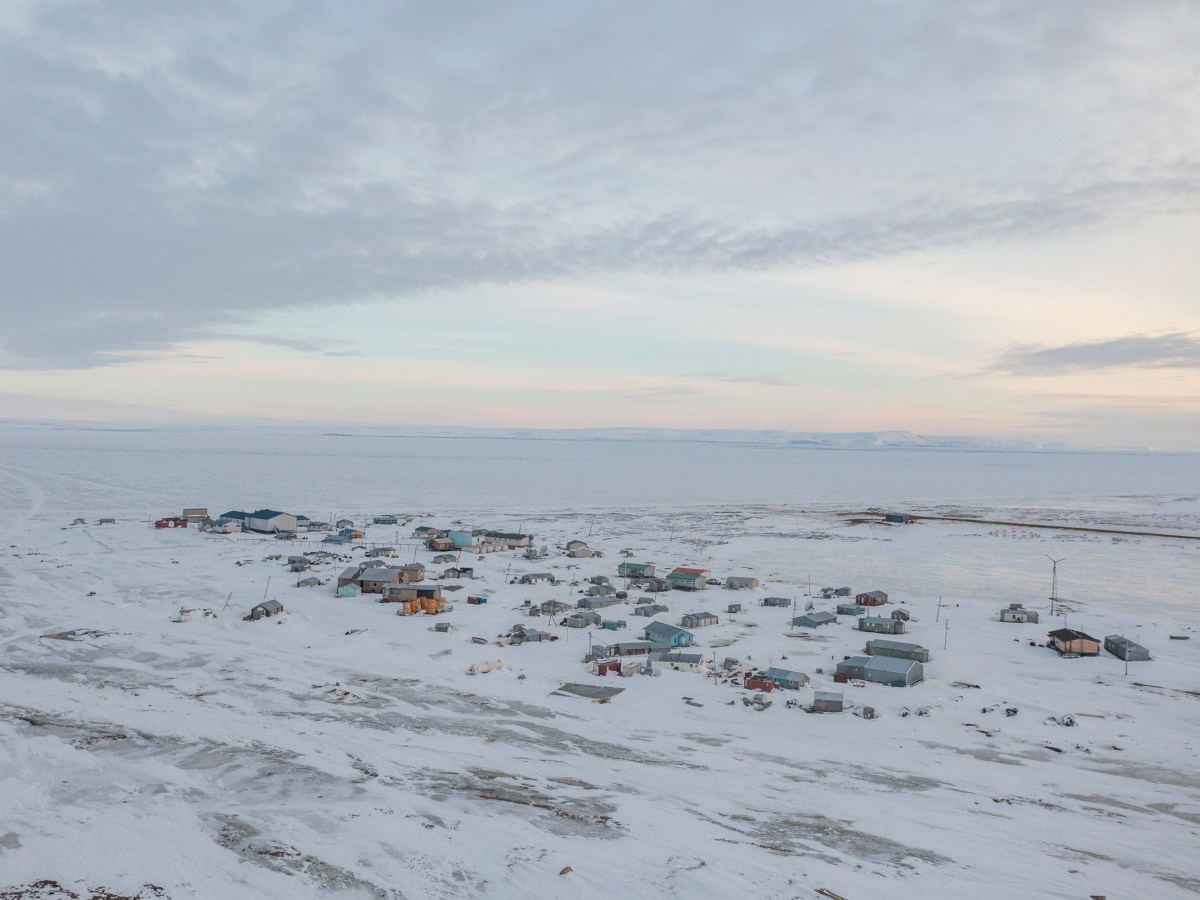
{"x":460,"y":538}
{"x":898,"y":649}
{"x":349,"y":590}
{"x":740,"y":583}
{"x":900,"y":615}
{"x":383,"y":551}
{"x":106,"y":521}
{"x":195,"y":514}
{"x":684,"y":579}
{"x":336,"y":539}
{"x":1071,"y":643}
{"x":266,"y":609}
{"x":1125,"y":649}
{"x":670,"y":635}
{"x":872,"y":598}
{"x":649,"y":609}
{"x":344,"y":523}
{"x":815,"y":619}
{"x":579,"y":550}
{"x":537,"y":578}
{"x":653,"y":584}
{"x":780,"y":602}
{"x":882,"y":670}
{"x":575,"y":545}
{"x":439,"y":544}
{"x":520,"y":634}
{"x":271,"y":521}
{"x":234,"y":515}
{"x":850,"y":609}
{"x":554,"y":607}
{"x":698,"y":620}
{"x":828,"y":702}
{"x":301,"y":565}
{"x":456,"y":572}
{"x":310,"y":581}
{"x":828,"y":593}
{"x":597,"y":602}
{"x":410,"y":573}
{"x":424,"y":532}
{"x":881,"y":625}
{"x":372,"y":579}
{"x":629,"y":648}
{"x":385,"y":520}
{"x":680,"y":662}
{"x":507,"y":539}
{"x":785,"y":678}
{"x":352,"y":533}
{"x":635,"y":570}
{"x":581,"y":618}
{"x":1018,"y":613}
{"x":599,"y":579}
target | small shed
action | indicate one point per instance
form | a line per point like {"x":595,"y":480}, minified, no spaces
{"x":881,"y":625}
{"x":815,"y":619}
{"x":349,"y":590}
{"x":733,"y":608}
{"x":698,"y":620}
{"x":266,"y":609}
{"x":1125,"y":649}
{"x":828,"y":702}
{"x":900,"y":615}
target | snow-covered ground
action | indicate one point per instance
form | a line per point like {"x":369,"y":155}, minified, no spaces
{"x":342,"y":750}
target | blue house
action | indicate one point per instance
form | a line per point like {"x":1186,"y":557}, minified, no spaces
{"x":670,"y":635}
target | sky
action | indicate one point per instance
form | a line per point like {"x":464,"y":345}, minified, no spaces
{"x":971,"y":219}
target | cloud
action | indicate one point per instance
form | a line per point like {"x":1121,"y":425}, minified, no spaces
{"x":1175,"y":350}
{"x":764,"y":380}
{"x":180,"y":170}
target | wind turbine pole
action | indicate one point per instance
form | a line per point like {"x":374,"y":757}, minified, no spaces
{"x":1053,"y":583}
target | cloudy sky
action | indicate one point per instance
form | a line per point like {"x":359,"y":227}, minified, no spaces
{"x":977,"y":219}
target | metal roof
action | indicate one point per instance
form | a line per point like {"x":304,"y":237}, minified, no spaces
{"x":889,"y":664}
{"x":896,"y":645}
{"x":774,"y":674}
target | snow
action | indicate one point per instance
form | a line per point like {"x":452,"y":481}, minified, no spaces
{"x":342,"y":750}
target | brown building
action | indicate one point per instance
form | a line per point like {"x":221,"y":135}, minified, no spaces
{"x":1069,"y":642}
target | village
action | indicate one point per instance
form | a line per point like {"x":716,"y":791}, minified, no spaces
{"x":673,"y":617}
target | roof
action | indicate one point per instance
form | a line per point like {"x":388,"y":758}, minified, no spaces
{"x":879,"y":620}
{"x":699,"y":615}
{"x":897,"y":645}
{"x":271,"y":605}
{"x":630,"y":645}
{"x":664,"y":629}
{"x":683,"y":570}
{"x":889,"y":664}
{"x":233,"y":514}
{"x":1122,"y":641}
{"x":774,"y":674}
{"x":828,"y":696}
{"x":820,"y":615}
{"x":873,"y":594}
{"x":1070,"y":634}
{"x":688,"y":658}
{"x":267,"y":514}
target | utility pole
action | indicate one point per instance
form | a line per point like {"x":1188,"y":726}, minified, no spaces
{"x":946,"y":639}
{"x":938,"y":617}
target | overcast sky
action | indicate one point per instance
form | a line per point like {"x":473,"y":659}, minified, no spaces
{"x":976,"y":219}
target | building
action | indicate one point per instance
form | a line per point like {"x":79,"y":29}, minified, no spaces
{"x":850,"y":609}
{"x":785,"y":678}
{"x":898,"y":649}
{"x":385,"y":520}
{"x":195,"y":514}
{"x":349,"y":590}
{"x":635,"y":570}
{"x":740,"y":583}
{"x":828,"y":702}
{"x":597,"y":602}
{"x":881,"y":625}
{"x":872,"y":598}
{"x":1071,"y":643}
{"x":439,"y":544}
{"x":507,"y":539}
{"x":679,"y":662}
{"x":685,"y":579}
{"x":671,"y":635}
{"x":814,"y":619}
{"x":415,"y":598}
{"x":898,"y":518}
{"x":887,"y":670}
{"x":336,"y":539}
{"x":828,"y":593}
{"x":698,"y":620}
{"x":649,"y":609}
{"x":624,"y":648}
{"x":1125,"y":649}
{"x":582,"y":618}
{"x":310,"y":581}
{"x":382,"y":552}
{"x":554,"y":607}
{"x":1018,"y":613}
{"x":781,"y":602}
{"x":410,"y":573}
{"x":537,"y":578}
{"x":458,"y":572}
{"x":266,"y":609}
{"x":733,"y":608}
{"x":901,"y":615}
{"x":601,"y":590}
{"x":270,"y":521}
